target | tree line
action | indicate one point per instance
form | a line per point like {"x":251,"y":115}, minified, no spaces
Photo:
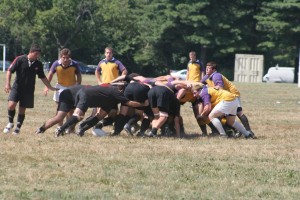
{"x":153,"y":36}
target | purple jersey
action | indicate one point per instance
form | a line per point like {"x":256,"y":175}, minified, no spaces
{"x":215,"y":79}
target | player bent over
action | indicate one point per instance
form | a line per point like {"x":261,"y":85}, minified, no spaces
{"x":217,"y":103}
{"x":105,"y":97}
{"x":66,"y":103}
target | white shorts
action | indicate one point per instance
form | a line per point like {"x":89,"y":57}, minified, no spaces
{"x":240,"y":103}
{"x":57,"y":92}
{"x":227,"y":107}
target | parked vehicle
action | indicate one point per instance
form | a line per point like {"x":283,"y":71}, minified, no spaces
{"x":280,"y":75}
{"x":181,"y":74}
{"x":7,"y":64}
{"x":84,"y":69}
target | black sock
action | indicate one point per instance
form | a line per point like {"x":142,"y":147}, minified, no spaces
{"x":203,"y":129}
{"x":20,"y":120}
{"x":89,"y":123}
{"x":213,"y":128}
{"x":42,"y":128}
{"x":133,"y":120}
{"x":245,"y":122}
{"x":145,"y":125}
{"x":85,"y":121}
{"x":11,"y":115}
{"x":72,"y":120}
{"x":154,"y":131}
{"x":119,"y":123}
{"x":108,"y":121}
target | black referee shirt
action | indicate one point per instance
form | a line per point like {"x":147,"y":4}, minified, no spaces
{"x":26,"y":74}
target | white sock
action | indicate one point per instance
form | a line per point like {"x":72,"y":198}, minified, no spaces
{"x":216,"y":122}
{"x":241,"y":128}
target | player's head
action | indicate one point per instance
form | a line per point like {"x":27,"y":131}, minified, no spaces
{"x":34,"y":52}
{"x":192,"y":56}
{"x":211,"y":67}
{"x":196,"y":89}
{"x":108,"y":52}
{"x":65,"y":57}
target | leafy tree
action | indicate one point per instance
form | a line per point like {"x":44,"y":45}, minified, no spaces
{"x":280,"y":22}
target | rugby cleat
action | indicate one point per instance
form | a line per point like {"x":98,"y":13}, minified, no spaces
{"x":58,"y":132}
{"x":127,"y":128}
{"x":16,"y":131}
{"x":8,"y":127}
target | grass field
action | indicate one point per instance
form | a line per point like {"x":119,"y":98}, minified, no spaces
{"x":44,"y":167}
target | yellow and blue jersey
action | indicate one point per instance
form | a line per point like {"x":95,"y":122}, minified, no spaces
{"x":66,"y":76}
{"x":214,"y":96}
{"x":110,"y":69}
{"x":195,"y":69}
{"x":217,"y":79}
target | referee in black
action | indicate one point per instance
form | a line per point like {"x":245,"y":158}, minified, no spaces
{"x":26,"y":68}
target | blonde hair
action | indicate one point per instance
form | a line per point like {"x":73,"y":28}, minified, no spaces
{"x":197,"y":86}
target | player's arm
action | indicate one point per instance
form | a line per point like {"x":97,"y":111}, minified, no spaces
{"x":79,"y":78}
{"x":218,"y":81}
{"x":136,"y":104}
{"x":98,"y":77}
{"x":49,"y":77}
{"x":124,"y":72}
{"x":120,"y":78}
{"x":187,"y":74}
{"x":7,"y":83}
{"x":206,"y":99}
{"x":206,"y":110}
{"x":48,"y":85}
{"x":202,"y":74}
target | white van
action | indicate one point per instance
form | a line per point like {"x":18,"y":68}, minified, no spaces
{"x":280,"y":75}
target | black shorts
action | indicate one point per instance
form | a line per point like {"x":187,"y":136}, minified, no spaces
{"x":148,"y":111}
{"x":25,"y":100}
{"x":66,"y":101}
{"x":83,"y":102}
{"x":160,"y":96}
{"x":174,"y":107}
{"x":136,"y":92}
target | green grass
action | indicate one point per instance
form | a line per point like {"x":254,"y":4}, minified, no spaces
{"x":43,"y":167}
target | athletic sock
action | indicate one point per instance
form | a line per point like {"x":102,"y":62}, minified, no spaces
{"x":238,"y":126}
{"x":11,"y":115}
{"x":119,"y":123}
{"x":245,"y":122}
{"x":89,"y":123}
{"x":218,"y":125}
{"x":82,"y":124}
{"x":154,"y":131}
{"x":107,"y":121}
{"x":72,"y":120}
{"x":20,"y":120}
{"x":203,"y":129}
{"x":133,"y":120}
{"x":145,"y":125}
{"x":213,"y":128}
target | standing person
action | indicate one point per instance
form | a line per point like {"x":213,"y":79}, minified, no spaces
{"x":195,"y":68}
{"x":68,"y":74}
{"x":107,"y":70}
{"x":22,"y":91}
{"x":215,"y":79}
